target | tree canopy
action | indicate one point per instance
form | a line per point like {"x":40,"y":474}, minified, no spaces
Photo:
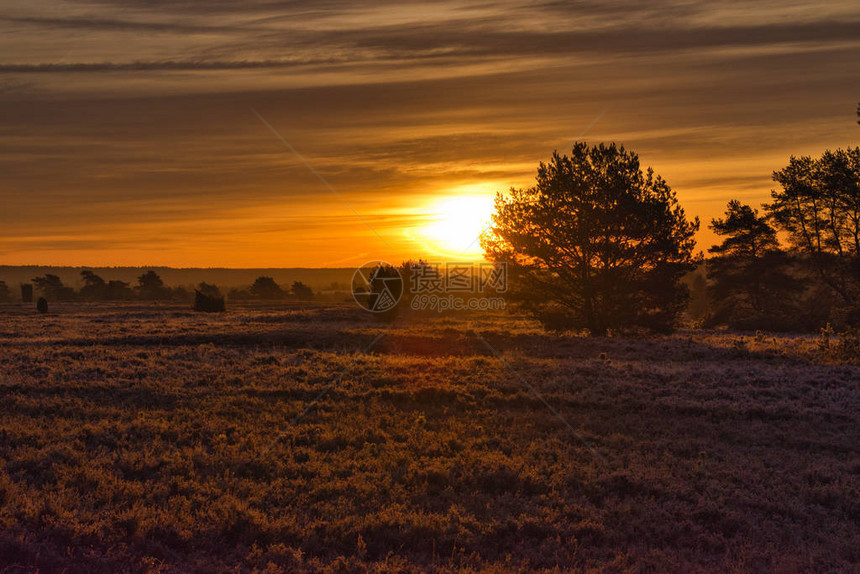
{"x":596,"y":243}
{"x":818,"y":205}
{"x":301,"y":291}
{"x":751,"y":285}
{"x":150,"y":286}
{"x":94,"y":286}
{"x":266,"y":288}
{"x":52,"y":288}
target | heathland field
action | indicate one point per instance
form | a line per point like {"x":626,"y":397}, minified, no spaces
{"x":148,"y":437}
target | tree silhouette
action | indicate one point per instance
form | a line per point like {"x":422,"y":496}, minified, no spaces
{"x":385,"y":291}
{"x":597,"y":243}
{"x":116,"y":290}
{"x":751,"y":282}
{"x":51,"y":287}
{"x":301,"y":291}
{"x":151,"y":287}
{"x":48,"y":284}
{"x":818,"y":206}
{"x":746,"y":233}
{"x":266,"y":288}
{"x":94,"y":286}
{"x":207,"y":302}
{"x":209,"y":289}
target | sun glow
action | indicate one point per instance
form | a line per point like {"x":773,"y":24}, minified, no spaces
{"x":455,"y":223}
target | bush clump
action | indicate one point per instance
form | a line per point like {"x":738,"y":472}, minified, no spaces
{"x":208,"y":303}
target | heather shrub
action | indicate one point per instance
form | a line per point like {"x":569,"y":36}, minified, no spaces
{"x":135,"y":438}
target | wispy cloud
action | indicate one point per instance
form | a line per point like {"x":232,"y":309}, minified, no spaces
{"x":120,"y":113}
{"x":155,"y":66}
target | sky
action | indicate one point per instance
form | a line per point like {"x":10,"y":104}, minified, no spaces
{"x":330,"y":133}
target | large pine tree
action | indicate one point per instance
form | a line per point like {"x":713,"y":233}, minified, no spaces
{"x":597,"y":243}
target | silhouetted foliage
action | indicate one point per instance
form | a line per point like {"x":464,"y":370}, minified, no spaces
{"x":151,"y":287}
{"x":266,"y":288}
{"x":207,"y":302}
{"x":752,"y":286}
{"x":118,"y":290}
{"x":208,"y":289}
{"x":42,"y":305}
{"x":818,"y":206}
{"x":746,"y":233}
{"x":94,"y":286}
{"x":384,"y":290}
{"x":27,"y":293}
{"x":5,"y":294}
{"x":597,"y":243}
{"x":51,"y":288}
{"x":301,"y":291}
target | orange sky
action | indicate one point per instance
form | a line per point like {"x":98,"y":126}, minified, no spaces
{"x":127,"y":135}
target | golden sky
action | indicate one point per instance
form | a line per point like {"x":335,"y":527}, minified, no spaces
{"x":128,"y":134}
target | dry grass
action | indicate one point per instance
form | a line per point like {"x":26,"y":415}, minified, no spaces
{"x":140,"y":437}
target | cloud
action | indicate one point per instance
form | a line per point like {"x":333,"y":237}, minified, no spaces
{"x":153,"y":66}
{"x":121,"y":118}
{"x":101,"y":24}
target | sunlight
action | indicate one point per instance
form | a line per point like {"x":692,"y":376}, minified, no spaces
{"x":454,"y":224}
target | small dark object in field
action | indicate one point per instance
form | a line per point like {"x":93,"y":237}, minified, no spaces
{"x":208,"y":303}
{"x":27,"y":293}
{"x":42,"y":305}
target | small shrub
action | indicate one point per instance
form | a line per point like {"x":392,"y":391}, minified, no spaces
{"x":42,"y":305}
{"x":208,"y":303}
{"x":848,"y":345}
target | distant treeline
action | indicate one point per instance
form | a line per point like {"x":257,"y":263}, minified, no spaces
{"x":320,"y":279}
{"x":150,"y":287}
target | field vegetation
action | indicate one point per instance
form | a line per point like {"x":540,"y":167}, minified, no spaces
{"x":308,"y":437}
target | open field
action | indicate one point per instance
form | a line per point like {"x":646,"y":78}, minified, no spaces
{"x":147,"y":437}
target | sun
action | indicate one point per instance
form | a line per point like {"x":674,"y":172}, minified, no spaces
{"x":455,"y":223}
